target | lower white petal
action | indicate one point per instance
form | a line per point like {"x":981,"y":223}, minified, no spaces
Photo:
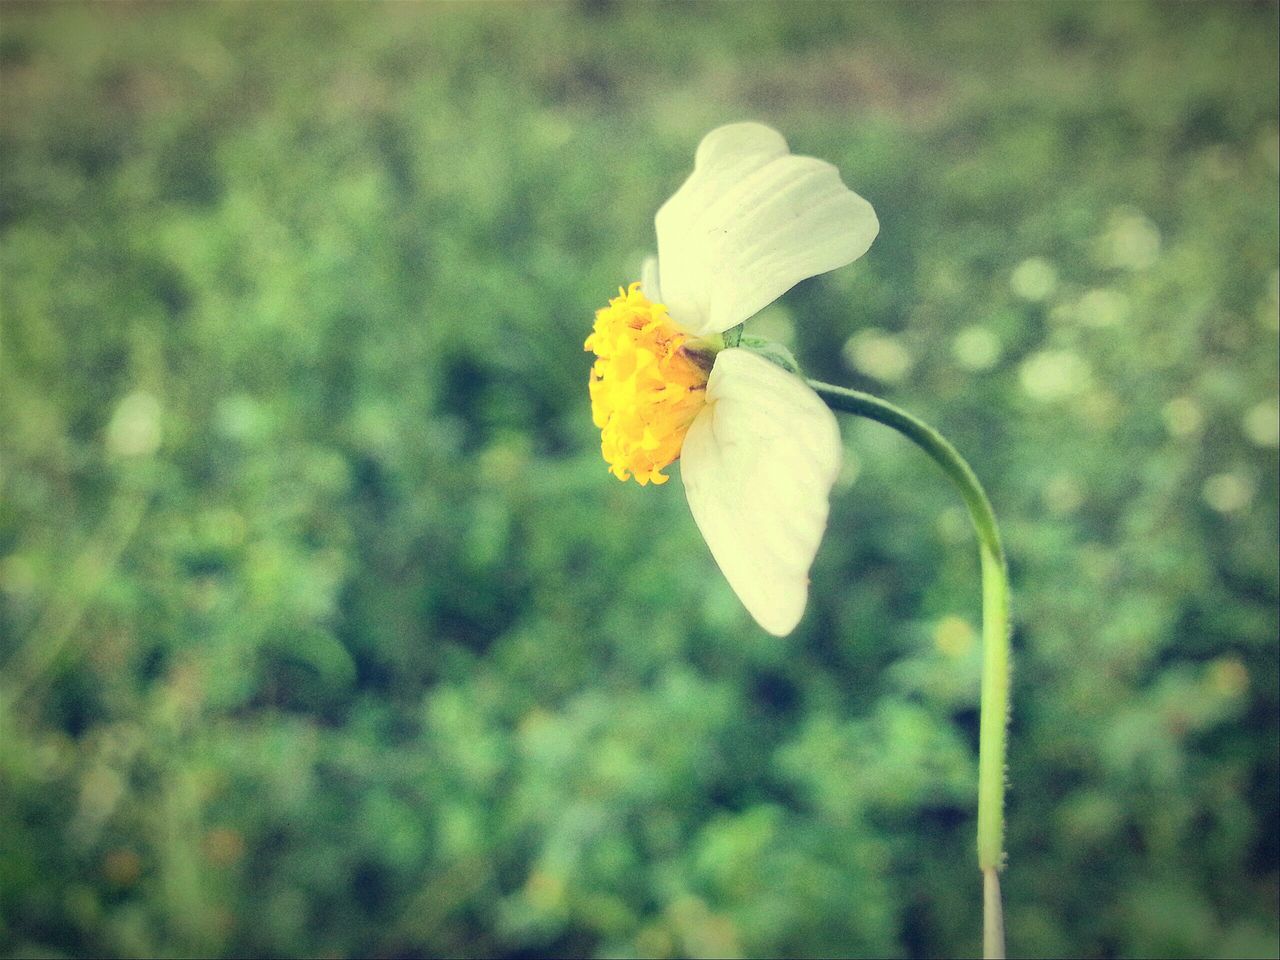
{"x":757,"y":465}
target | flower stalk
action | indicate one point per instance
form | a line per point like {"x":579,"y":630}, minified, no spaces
{"x":995,"y":639}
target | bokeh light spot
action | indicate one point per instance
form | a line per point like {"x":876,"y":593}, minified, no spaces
{"x":1182,"y":417}
{"x":1261,"y":423}
{"x":1054,"y":375}
{"x":976,"y":348}
{"x":1062,"y":494}
{"x":1228,"y":677}
{"x":1131,"y":241}
{"x":1103,"y":307}
{"x":134,"y":430}
{"x":1228,"y":492}
{"x":1034,"y":279}
{"x":878,"y":354}
{"x":953,"y":636}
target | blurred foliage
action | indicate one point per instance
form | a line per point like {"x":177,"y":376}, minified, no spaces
{"x":324,"y":631}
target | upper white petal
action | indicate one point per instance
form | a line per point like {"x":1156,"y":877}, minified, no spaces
{"x":750,"y":223}
{"x":757,"y":464}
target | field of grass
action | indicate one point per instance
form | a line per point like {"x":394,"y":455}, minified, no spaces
{"x":324,"y":630}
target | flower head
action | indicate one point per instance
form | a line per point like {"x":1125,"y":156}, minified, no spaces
{"x":759,"y":450}
{"x":646,"y":387}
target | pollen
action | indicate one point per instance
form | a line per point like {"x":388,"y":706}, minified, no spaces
{"x":647,"y":385}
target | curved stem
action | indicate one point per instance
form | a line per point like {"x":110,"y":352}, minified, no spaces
{"x":995,"y":638}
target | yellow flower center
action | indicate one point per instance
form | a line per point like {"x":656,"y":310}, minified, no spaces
{"x":646,"y":386}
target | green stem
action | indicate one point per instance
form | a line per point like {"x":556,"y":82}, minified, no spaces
{"x":995,"y":638}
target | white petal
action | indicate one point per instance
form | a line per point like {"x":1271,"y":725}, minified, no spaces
{"x":750,"y":223}
{"x":649,"y":280}
{"x":757,"y":464}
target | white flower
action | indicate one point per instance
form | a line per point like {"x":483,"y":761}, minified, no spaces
{"x":759,"y":450}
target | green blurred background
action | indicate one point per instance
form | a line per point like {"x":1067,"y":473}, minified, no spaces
{"x":325,"y":632}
